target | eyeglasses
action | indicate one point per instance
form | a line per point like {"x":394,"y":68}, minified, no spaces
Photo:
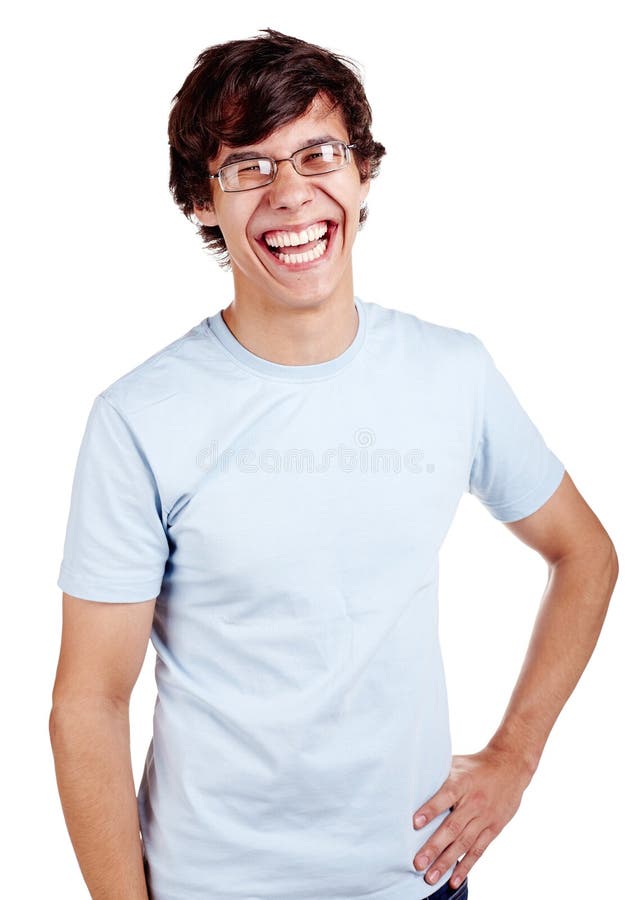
{"x":316,"y":159}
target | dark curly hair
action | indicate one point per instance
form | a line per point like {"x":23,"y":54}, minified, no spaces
{"x":242,"y":91}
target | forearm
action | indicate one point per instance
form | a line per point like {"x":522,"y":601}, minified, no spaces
{"x":568,"y":624}
{"x":90,"y":744}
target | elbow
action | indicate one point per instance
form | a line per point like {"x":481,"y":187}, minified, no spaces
{"x":53,"y":724}
{"x":608,"y":562}
{"x":613,"y":566}
{"x":604,"y":565}
{"x":53,"y":727}
{"x":595,"y":563}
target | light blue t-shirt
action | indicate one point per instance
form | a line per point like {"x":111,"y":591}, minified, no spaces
{"x":288,"y":519}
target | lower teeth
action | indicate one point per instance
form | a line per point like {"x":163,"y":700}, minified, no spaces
{"x":308,"y":256}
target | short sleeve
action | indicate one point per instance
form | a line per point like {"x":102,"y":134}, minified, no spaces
{"x":513,"y":472}
{"x":115,"y":546}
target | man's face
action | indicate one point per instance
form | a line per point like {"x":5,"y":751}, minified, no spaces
{"x":291,"y":203}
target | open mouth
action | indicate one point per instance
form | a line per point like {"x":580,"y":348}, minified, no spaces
{"x":300,"y":250}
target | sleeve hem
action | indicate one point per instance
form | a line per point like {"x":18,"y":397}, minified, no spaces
{"x":105,"y":592}
{"x":525,"y":506}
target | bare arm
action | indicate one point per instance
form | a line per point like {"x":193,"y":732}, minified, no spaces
{"x":583,"y":569}
{"x":102,"y":649}
{"x":484,"y":789}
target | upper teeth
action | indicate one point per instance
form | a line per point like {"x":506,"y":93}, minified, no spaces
{"x":294,"y":238}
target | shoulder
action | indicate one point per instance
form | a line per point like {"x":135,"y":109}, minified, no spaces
{"x":159,"y":377}
{"x":435,"y":341}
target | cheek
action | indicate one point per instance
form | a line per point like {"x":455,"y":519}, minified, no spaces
{"x":240,"y":246}
{"x":235,"y":237}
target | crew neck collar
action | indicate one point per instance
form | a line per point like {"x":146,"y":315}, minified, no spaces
{"x":269,"y":369}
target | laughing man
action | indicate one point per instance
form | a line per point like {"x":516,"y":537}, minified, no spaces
{"x":265,"y":499}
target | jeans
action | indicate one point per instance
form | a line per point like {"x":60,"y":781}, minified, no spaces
{"x":446,"y":892}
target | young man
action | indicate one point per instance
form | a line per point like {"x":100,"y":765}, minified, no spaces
{"x":265,"y":498}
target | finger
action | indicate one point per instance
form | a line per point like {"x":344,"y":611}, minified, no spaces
{"x":448,"y":835}
{"x":445,"y":799}
{"x":462,"y":842}
{"x":472,"y":847}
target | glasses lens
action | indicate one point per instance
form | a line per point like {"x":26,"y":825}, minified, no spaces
{"x":246,"y":174}
{"x":322,"y":158}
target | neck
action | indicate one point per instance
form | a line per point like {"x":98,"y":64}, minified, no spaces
{"x":299,"y":332}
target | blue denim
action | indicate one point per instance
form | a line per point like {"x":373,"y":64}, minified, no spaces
{"x":446,"y":892}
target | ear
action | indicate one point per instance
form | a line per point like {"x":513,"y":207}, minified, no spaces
{"x":205,"y":216}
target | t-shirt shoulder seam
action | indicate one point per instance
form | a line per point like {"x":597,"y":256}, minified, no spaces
{"x":119,"y":412}
{"x":438,"y":327}
{"x":153,"y":359}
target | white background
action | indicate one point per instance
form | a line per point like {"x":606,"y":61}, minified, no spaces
{"x":501,"y":209}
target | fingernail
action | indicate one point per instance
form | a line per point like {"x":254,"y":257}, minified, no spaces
{"x":457,"y":881}
{"x":423,"y":862}
{"x":433,"y":876}
{"x":420,"y":821}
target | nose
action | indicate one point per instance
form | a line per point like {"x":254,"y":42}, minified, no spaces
{"x":289,"y":189}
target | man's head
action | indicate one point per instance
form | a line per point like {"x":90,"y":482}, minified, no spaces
{"x":244,"y":93}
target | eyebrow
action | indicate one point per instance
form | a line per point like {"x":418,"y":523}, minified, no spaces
{"x":255,"y":154}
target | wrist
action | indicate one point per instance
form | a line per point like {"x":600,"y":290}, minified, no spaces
{"x":522,"y":755}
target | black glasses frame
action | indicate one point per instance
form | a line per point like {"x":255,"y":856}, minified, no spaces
{"x":274,"y":166}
